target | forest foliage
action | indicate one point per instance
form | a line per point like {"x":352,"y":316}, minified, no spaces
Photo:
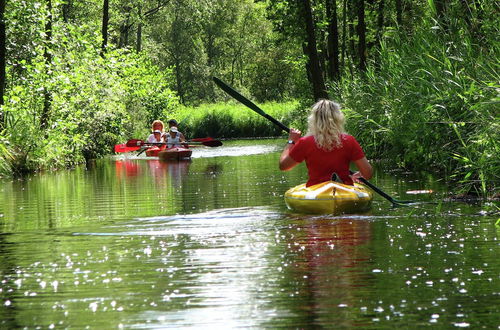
{"x":418,"y":79}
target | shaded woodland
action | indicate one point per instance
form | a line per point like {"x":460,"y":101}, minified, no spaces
{"x":418,"y":79}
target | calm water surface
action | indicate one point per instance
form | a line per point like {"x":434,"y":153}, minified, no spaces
{"x":140,"y":244}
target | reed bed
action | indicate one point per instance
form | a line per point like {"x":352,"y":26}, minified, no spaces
{"x":433,"y":106}
{"x":232,"y":120}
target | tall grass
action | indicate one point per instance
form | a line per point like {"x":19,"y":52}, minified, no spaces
{"x":232,"y":120}
{"x":433,"y":105}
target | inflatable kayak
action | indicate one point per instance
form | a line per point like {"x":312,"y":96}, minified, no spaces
{"x":175,"y":154}
{"x":329,"y":197}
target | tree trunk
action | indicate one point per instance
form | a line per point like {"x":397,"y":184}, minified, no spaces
{"x":66,"y":9}
{"x":138,"y":42}
{"x":380,"y":31}
{"x":178,"y":80}
{"x":124,"y":29}
{"x":399,"y":12}
{"x":104,"y":30}
{"x":322,"y":45}
{"x":319,"y":88}
{"x":361,"y":35}
{"x":473,"y":16}
{"x":440,"y":8}
{"x":3,"y":40}
{"x":333,"y":40}
{"x":441,"y":12}
{"x":352,"y":46}
{"x":47,"y":95}
{"x":344,"y":33}
{"x":380,"y":20}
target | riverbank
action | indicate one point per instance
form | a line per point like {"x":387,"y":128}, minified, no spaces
{"x":400,"y":137}
{"x":410,"y":148}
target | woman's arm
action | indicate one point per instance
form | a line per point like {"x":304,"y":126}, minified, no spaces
{"x":287,"y":162}
{"x":365,"y":169}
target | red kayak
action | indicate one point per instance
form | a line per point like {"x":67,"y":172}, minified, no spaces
{"x":154,"y":151}
{"x":175,"y":154}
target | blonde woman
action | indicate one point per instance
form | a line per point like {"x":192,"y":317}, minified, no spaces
{"x":156,"y":128}
{"x":326,"y":149}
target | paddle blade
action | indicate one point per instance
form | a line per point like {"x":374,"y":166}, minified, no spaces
{"x":124,"y":148}
{"x":226,"y":88}
{"x":201,"y":139}
{"x":212,"y":143}
{"x":135,"y":143}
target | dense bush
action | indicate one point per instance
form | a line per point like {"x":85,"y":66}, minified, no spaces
{"x":95,"y":103}
{"x":432,"y":105}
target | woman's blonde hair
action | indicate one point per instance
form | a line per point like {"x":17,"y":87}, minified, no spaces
{"x":156,"y":123}
{"x":326,"y":124}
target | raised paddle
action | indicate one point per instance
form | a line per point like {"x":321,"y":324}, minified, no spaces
{"x":261,"y":112}
{"x":248,"y":103}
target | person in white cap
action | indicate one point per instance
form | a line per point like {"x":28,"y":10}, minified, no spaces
{"x":156,"y":137}
{"x":175,"y":139}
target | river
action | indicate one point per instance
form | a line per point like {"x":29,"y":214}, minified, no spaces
{"x":137,"y":243}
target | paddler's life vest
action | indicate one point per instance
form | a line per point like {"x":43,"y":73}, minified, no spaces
{"x":174,"y":142}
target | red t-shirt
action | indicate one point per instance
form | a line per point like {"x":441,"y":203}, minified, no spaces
{"x":321,"y":164}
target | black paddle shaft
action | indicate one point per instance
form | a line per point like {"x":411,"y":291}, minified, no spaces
{"x":248,"y":103}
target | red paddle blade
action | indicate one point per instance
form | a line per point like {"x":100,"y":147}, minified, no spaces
{"x":202,"y":139}
{"x":124,"y":148}
{"x":134,"y":143}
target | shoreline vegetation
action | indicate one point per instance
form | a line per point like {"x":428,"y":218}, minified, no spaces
{"x":421,"y":94}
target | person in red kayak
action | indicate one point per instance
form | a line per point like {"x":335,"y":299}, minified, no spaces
{"x":156,"y":137}
{"x":175,"y":139}
{"x":172,"y":123}
{"x":156,"y":128}
{"x":326,"y":149}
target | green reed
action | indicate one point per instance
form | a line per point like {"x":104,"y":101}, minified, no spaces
{"x":432,"y":105}
{"x":231,"y":120}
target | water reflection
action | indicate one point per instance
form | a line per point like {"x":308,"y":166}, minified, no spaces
{"x":332,"y":253}
{"x":198,"y":270}
{"x":135,"y":243}
{"x":125,"y":167}
{"x":175,"y":170}
{"x":213,"y":170}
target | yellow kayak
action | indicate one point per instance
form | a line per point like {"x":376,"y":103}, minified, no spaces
{"x":329,"y":197}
